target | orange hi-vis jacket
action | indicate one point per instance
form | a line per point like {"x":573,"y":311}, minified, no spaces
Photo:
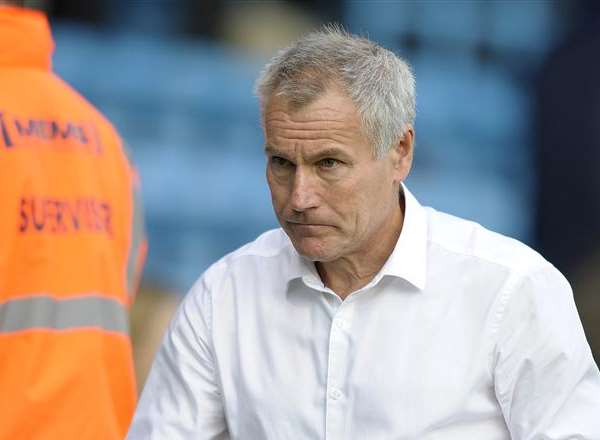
{"x":71,"y":249}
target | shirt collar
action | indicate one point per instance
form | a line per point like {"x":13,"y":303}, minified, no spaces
{"x":408,"y":260}
{"x":409,"y":257}
{"x":300,"y":267}
{"x":25,"y":38}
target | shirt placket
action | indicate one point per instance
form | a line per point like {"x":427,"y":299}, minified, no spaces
{"x":336,"y":399}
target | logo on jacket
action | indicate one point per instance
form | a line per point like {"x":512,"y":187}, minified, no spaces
{"x":61,"y":215}
{"x":19,"y":132}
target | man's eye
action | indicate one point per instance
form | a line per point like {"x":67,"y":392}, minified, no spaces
{"x":280,"y":162}
{"x":329,"y":163}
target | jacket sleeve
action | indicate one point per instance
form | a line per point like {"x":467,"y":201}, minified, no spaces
{"x":546,"y":380}
{"x":182,"y":397}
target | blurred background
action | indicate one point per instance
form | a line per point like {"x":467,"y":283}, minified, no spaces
{"x":508,"y":121}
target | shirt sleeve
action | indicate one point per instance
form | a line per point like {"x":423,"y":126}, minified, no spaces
{"x":182,"y":397}
{"x":546,"y":380}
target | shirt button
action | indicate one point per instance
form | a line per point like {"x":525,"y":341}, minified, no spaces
{"x":340,"y":323}
{"x":335,"y":394}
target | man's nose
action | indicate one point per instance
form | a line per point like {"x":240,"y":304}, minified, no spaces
{"x":304,"y":191}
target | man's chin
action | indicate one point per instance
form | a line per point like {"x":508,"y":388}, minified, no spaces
{"x":314,"y":249}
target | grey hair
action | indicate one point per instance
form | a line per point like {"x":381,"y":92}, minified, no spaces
{"x":380,"y":84}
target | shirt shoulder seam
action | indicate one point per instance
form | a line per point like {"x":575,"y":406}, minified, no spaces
{"x":529,"y":269}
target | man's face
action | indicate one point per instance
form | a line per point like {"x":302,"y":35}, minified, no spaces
{"x":330,"y":194}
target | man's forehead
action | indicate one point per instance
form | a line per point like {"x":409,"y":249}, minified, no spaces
{"x":320,"y":119}
{"x":312,"y":131}
{"x":308,"y":150}
{"x":329,"y":121}
{"x":333,"y":101}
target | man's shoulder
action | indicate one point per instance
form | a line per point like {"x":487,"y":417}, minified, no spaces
{"x":470,"y":239}
{"x":267,"y":246}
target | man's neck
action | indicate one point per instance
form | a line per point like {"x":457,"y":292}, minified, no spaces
{"x":352,"y":272}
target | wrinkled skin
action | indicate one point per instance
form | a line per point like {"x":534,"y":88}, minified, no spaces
{"x":334,"y":199}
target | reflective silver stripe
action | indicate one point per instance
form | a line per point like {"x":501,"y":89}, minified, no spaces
{"x":60,"y":314}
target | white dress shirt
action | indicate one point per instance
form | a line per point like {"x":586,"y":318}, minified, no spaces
{"x":464,"y":334}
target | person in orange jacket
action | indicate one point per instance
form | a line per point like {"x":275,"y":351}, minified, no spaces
{"x":72,"y":246}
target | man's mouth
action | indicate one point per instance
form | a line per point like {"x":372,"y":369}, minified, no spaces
{"x":305,"y":228}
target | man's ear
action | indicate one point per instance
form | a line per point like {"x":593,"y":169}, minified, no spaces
{"x":402,"y":154}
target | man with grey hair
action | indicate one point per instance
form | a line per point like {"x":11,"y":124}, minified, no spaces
{"x":366,"y":316}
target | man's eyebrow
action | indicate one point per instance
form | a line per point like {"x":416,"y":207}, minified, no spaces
{"x":326,"y":152}
{"x":330,"y":151}
{"x":270,"y":150}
